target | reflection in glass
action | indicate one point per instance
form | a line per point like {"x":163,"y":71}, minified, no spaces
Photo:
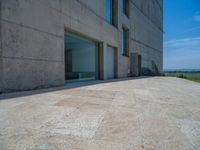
{"x":109,"y":10}
{"x":81,"y":58}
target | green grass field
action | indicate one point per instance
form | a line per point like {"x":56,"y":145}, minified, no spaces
{"x":193,"y":76}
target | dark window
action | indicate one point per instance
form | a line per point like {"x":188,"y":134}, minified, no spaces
{"x":81,"y":58}
{"x":111,"y":12}
{"x":125,"y":42}
{"x":125,"y":7}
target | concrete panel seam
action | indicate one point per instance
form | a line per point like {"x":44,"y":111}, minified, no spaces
{"x":161,"y":30}
{"x":33,"y":59}
{"x":100,"y":17}
{"x":82,"y":4}
{"x":146,"y":45}
{"x":161,"y":8}
{"x":103,"y":19}
{"x":86,"y":7}
{"x":28,"y":27}
{"x":79,"y":21}
{"x":91,"y":27}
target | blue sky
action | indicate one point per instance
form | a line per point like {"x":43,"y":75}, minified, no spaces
{"x":182,"y":34}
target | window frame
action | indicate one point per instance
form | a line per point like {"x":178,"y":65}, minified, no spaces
{"x":125,"y":41}
{"x":113,"y":11}
{"x":109,"y":11}
{"x":125,"y":7}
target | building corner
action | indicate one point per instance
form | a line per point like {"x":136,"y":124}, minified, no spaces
{"x":1,"y":60}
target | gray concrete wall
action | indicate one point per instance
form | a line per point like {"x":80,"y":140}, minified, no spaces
{"x":32,"y":46}
{"x":147,"y":32}
{"x":1,"y":69}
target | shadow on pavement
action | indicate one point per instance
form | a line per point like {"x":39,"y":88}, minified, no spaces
{"x":68,"y":85}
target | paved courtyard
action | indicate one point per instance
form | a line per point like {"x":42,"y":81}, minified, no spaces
{"x":155,"y":113}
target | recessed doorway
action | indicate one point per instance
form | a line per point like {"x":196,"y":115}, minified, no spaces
{"x":111,"y":62}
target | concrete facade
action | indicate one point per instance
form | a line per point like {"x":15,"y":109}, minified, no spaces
{"x":1,"y":84}
{"x":32,"y":38}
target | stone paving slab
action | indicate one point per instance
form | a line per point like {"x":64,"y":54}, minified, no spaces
{"x":158,"y":113}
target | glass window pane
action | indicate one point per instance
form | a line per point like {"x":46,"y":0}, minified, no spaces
{"x":123,"y":41}
{"x":109,"y":10}
{"x":123,"y":6}
{"x":80,"y":58}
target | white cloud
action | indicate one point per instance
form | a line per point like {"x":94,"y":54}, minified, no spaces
{"x":183,"y":42}
{"x":197,"y":16}
{"x":191,"y":29}
{"x":182,"y":53}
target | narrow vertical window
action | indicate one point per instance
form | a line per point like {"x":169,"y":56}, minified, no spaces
{"x":125,"y":42}
{"x":109,"y":11}
{"x":112,"y":12}
{"x":125,"y":7}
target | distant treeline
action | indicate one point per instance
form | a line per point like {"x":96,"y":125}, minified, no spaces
{"x":185,"y":71}
{"x":191,"y":75}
